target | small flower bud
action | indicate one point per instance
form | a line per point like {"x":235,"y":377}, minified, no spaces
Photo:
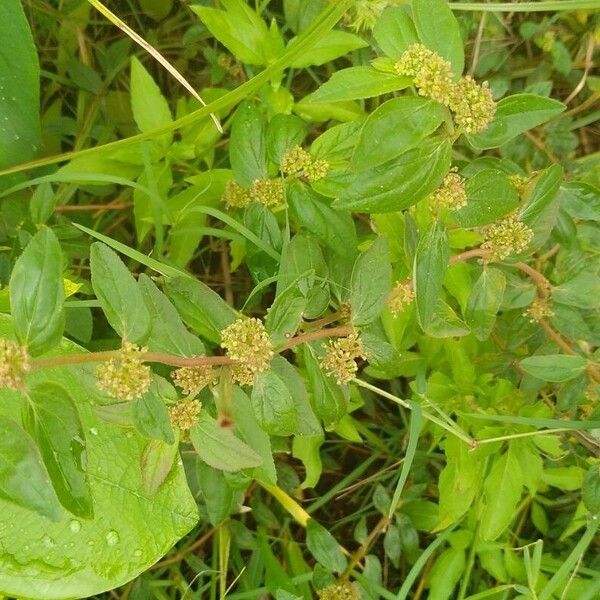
{"x":539,"y":310}
{"x":184,"y":414}
{"x":339,"y":591}
{"x":125,"y":377}
{"x":269,"y":192}
{"x":451,"y":194}
{"x":340,"y":357}
{"x":192,"y":380}
{"x":401,"y":296}
{"x":316,"y":170}
{"x":413,"y":59}
{"x":235,"y":196}
{"x":14,"y":364}
{"x":295,"y":160}
{"x":520,"y":183}
{"x":507,"y":237}
{"x":472,"y":105}
{"x":248,"y":344}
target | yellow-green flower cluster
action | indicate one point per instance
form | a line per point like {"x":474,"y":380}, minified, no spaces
{"x":297,"y":161}
{"x":269,"y":192}
{"x":365,"y":13}
{"x":248,"y":344}
{"x":125,"y":377}
{"x":509,"y":236}
{"x":401,"y":296}
{"x":235,"y":196}
{"x":192,"y":380}
{"x":14,"y":364}
{"x":184,"y":414}
{"x":539,"y":310}
{"x":339,"y":591}
{"x":451,"y":194}
{"x":520,"y":183}
{"x":340,"y":357}
{"x":471,"y":103}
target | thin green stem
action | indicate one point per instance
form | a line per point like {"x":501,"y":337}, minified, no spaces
{"x":514,"y":436}
{"x":552,"y":5}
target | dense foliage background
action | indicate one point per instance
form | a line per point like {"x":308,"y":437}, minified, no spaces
{"x":307,"y":187}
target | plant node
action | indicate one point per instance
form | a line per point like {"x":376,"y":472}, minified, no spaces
{"x":401,"y":296}
{"x":184,"y":414}
{"x":509,"y":236}
{"x":451,"y":194}
{"x":125,"y":377}
{"x":192,"y":380}
{"x":340,"y":357}
{"x":14,"y":365}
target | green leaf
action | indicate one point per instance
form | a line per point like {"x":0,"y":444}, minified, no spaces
{"x":23,"y":477}
{"x":590,"y":492}
{"x":337,"y":143}
{"x":582,"y":291}
{"x":238,"y":28}
{"x":555,"y":368}
{"x":484,"y":302}
{"x":502,"y":492}
{"x":37,"y":293}
{"x":218,"y":495}
{"x":355,"y":83}
{"x":393,"y":128}
{"x":431,"y":264}
{"x":394,"y":32}
{"x":247,"y":144}
{"x":371,"y":282}
{"x":438,"y":29}
{"x":331,"y":45}
{"x":446,"y":573}
{"x":200,"y":308}
{"x":118,"y":294}
{"x":273,"y":405}
{"x":220,"y":448}
{"x":52,"y":420}
{"x":84,"y":557}
{"x":283,"y":132}
{"x":400,"y":184}
{"x":151,"y":417}
{"x":43,"y":203}
{"x":307,"y":449}
{"x":490,"y":196}
{"x":20,"y":131}
{"x":323,"y":546}
{"x":149,"y":106}
{"x":285,"y":314}
{"x":514,"y":115}
{"x":156,"y":463}
{"x":167,"y":333}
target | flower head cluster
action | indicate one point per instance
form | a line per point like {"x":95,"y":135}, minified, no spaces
{"x":509,"y":236}
{"x":451,"y":194}
{"x":269,"y":192}
{"x":192,"y":380}
{"x":14,"y":364}
{"x":364,"y":13}
{"x":339,"y":591}
{"x":520,"y":183}
{"x":296,"y":160}
{"x":471,"y":103}
{"x":248,"y":344}
{"x":539,"y":310}
{"x":401,"y":296}
{"x":125,"y":377}
{"x":184,"y":414}
{"x":340,"y":357}
{"x":235,"y":196}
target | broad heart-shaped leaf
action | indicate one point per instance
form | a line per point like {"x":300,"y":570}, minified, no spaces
{"x":37,"y":293}
{"x":52,"y":420}
{"x":273,"y":404}
{"x":23,"y":478}
{"x":149,"y":106}
{"x":118,"y":294}
{"x":247,"y":144}
{"x":131,"y":529}
{"x":554,"y":367}
{"x":490,"y":196}
{"x":394,"y":32}
{"x":221,"y":448}
{"x":20,"y":130}
{"x":484,"y":302}
{"x":355,"y":83}
{"x":400,"y":183}
{"x":200,"y":308}
{"x":167,"y":331}
{"x":324,"y":547}
{"x":502,"y":492}
{"x":395,"y":127}
{"x":371,"y":282}
{"x":431,"y":263}
{"x":438,"y":29}
{"x":514,"y":115}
